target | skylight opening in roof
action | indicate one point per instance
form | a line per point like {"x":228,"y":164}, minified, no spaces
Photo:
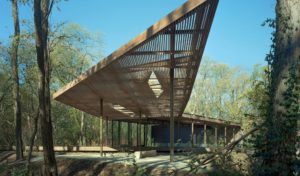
{"x":155,"y":85}
{"x":123,"y":110}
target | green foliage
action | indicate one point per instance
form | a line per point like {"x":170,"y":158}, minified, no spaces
{"x":19,"y":171}
{"x":289,"y":128}
{"x":221,"y":91}
{"x":6,"y":102}
{"x":72,"y":50}
{"x":275,"y":144}
{"x":227,"y":164}
{"x":139,"y":171}
{"x":224,"y":173}
{"x":3,"y":168}
{"x":260,"y":138}
{"x":233,"y":164}
{"x":258,"y":100}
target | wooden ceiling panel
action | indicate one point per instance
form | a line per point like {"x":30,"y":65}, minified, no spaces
{"x":122,"y":79}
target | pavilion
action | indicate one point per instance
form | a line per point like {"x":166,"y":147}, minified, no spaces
{"x":149,"y":80}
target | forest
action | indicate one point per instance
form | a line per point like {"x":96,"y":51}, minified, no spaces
{"x":41,"y":57}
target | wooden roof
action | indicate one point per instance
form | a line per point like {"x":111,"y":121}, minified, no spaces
{"x":135,"y":78}
{"x":199,"y":119}
{"x":187,"y":118}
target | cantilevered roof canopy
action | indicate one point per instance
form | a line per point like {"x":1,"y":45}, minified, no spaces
{"x":135,"y":78}
{"x":188,"y":119}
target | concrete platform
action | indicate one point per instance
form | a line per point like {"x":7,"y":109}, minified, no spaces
{"x":144,"y":154}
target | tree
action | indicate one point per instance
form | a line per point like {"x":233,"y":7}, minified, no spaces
{"x":279,"y":137}
{"x":15,"y":75}
{"x":42,"y":10}
{"x":72,"y":51}
{"x":7,"y":134}
{"x":220,"y":91}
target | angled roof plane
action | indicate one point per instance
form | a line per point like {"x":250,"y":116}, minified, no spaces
{"x":136,"y":78}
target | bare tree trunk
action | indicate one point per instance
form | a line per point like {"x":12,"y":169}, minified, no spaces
{"x":41,"y":14}
{"x":32,"y":138}
{"x":282,"y":129}
{"x":82,"y":137}
{"x":287,"y":49}
{"x":16,"y":92}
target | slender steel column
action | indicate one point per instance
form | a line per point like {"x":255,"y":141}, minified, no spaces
{"x":101,"y":127}
{"x":225,"y":135}
{"x":151,"y":137}
{"x":172,"y":65}
{"x":171,"y":115}
{"x":192,"y":134}
{"x":106,"y":131}
{"x":177,"y":130}
{"x":128,"y":134}
{"x":216,"y":135}
{"x":119,"y":133}
{"x":144,"y":135}
{"x":137,"y":135}
{"x":205,"y":136}
{"x":139,"y":132}
{"x":112,"y":133}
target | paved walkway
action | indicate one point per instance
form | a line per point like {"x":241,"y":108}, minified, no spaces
{"x":159,"y":161}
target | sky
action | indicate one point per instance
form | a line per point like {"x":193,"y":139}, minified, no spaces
{"x":236,"y":37}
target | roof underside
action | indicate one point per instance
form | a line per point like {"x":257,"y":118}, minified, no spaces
{"x":188,"y":119}
{"x":135,"y":78}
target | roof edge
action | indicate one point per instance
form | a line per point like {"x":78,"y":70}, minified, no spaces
{"x":149,"y":32}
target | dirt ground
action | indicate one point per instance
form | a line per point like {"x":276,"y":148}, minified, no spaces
{"x":117,"y":164}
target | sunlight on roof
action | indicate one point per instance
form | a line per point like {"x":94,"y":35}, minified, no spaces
{"x":123,"y":110}
{"x":155,"y":85}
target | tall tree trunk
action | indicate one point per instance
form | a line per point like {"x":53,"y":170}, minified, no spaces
{"x":32,"y":139}
{"x":282,"y":125}
{"x":15,"y":75}
{"x":41,"y":13}
{"x":82,"y":136}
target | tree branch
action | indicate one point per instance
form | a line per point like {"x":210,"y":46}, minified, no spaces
{"x":227,"y":149}
{"x":5,"y":89}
